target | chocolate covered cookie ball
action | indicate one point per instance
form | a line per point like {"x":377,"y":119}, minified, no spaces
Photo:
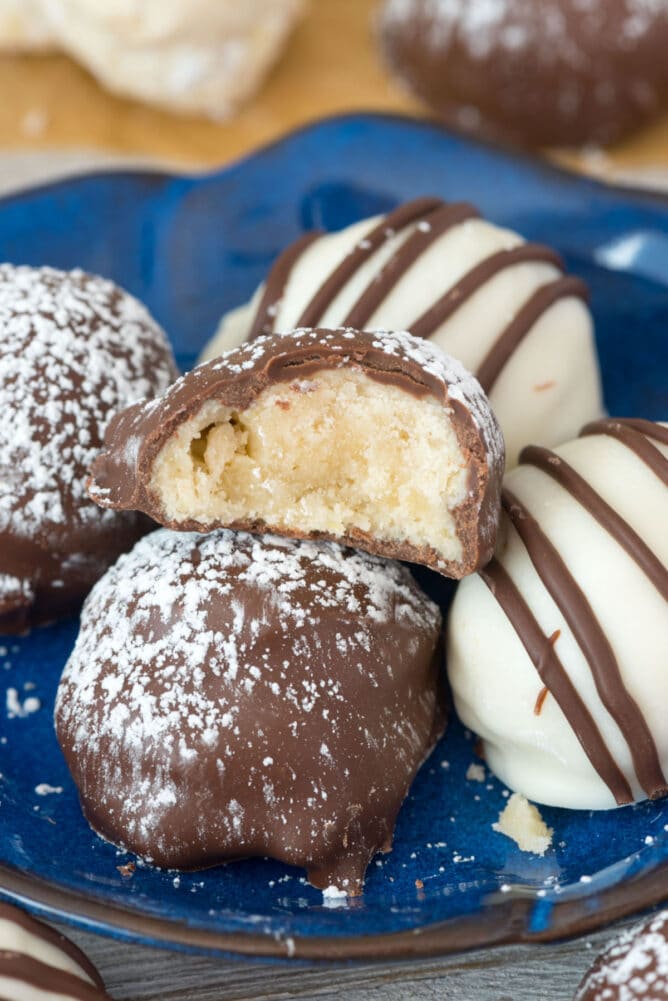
{"x":375,"y":440}
{"x":232,"y":696}
{"x":74,"y":349}
{"x":533,"y":72}
{"x":634,"y":967}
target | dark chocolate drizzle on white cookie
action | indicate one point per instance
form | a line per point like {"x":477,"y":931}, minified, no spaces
{"x":431,"y":218}
{"x":579,"y":614}
{"x":27,"y":970}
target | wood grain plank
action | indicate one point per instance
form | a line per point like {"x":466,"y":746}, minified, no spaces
{"x":514,"y":973}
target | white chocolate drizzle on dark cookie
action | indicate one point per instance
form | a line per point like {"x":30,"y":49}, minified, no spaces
{"x":236,"y":696}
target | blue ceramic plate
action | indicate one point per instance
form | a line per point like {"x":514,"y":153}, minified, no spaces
{"x":192,"y":248}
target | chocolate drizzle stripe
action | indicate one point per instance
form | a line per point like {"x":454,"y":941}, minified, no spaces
{"x":635,"y":438}
{"x":518,"y":328}
{"x":553,"y":674}
{"x":474,"y":279}
{"x":43,"y":977}
{"x":594,"y":644}
{"x":649,"y":428}
{"x":620,"y":530}
{"x":52,"y":937}
{"x":439,"y":222}
{"x":277,"y":280}
{"x":405,"y":215}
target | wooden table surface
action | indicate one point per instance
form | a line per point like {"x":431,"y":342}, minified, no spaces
{"x":331,"y":66}
{"x":513,"y":973}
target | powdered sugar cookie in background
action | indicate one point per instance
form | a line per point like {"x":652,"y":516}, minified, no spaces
{"x":634,"y":967}
{"x":23,"y":25}
{"x":375,"y":440}
{"x":36,"y":961}
{"x":74,"y":348}
{"x":199,"y":56}
{"x":557,"y":649}
{"x":536,"y":72}
{"x":502,"y":306}
{"x":233,"y":696}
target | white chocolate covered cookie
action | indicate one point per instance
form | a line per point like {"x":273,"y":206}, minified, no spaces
{"x":194,"y":56}
{"x":37,"y":963}
{"x":502,"y":306}
{"x":557,"y":649}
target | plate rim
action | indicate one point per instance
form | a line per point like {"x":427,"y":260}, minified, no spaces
{"x":499,"y":921}
{"x":530,"y":160}
{"x":505,"y":922}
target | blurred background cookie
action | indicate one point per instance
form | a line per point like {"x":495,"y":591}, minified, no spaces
{"x":534,"y":72}
{"x":200,"y":56}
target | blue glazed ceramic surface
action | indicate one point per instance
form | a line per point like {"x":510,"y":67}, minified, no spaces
{"x":192,"y":248}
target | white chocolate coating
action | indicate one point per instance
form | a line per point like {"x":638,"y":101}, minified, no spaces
{"x":23,"y":26}
{"x":194,"y":56}
{"x":549,"y":386}
{"x":39,"y":964}
{"x":495,"y":683}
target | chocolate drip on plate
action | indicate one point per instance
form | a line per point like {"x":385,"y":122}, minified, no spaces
{"x":277,"y":279}
{"x":634,"y":434}
{"x":405,"y":215}
{"x":593,"y":642}
{"x":518,"y":328}
{"x":431,"y":229}
{"x":474,"y":279}
{"x":540,"y":649}
{"x":620,"y":530}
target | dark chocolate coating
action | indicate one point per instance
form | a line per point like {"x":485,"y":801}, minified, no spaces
{"x":34,"y":968}
{"x":539,"y":73}
{"x":121,"y":474}
{"x":634,"y":967}
{"x":74,"y":348}
{"x":234,"y":696}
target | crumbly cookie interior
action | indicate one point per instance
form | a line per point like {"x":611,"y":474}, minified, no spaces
{"x":333,"y":453}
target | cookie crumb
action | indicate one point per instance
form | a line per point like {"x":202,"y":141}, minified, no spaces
{"x":521,"y":821}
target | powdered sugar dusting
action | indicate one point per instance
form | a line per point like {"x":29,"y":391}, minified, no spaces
{"x":485,"y":26}
{"x":634,"y":966}
{"x":153,"y":646}
{"x":73,"y":348}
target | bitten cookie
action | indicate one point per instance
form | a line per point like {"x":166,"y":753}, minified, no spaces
{"x":36,"y":961}
{"x":634,"y":967}
{"x":557,"y":649}
{"x":374,"y":440}
{"x":534,"y":72}
{"x":502,"y":306}
{"x":74,"y":348}
{"x":233,"y":696}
